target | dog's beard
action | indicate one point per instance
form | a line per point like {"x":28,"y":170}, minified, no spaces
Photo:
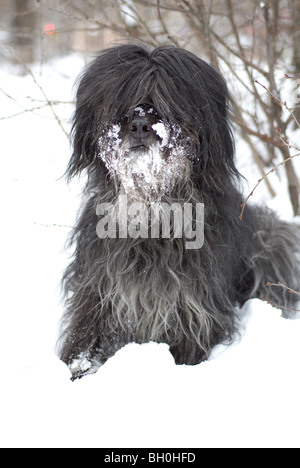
{"x":145,"y":172}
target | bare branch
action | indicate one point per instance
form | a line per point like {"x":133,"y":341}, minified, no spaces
{"x":284,"y":287}
{"x":291,"y":291}
{"x":264,"y":177}
{"x":165,"y":29}
{"x":277,"y":98}
{"x":49,"y":103}
{"x":278,"y":306}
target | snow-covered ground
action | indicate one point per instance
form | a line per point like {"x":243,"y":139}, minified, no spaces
{"x":246,"y":395}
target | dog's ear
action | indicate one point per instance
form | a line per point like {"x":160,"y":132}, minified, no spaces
{"x":83,"y":130}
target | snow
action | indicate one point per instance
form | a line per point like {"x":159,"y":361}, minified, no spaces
{"x":246,"y":395}
{"x":148,"y":172}
{"x":162,"y":131}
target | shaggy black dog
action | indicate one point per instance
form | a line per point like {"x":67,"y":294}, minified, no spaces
{"x":151,"y":131}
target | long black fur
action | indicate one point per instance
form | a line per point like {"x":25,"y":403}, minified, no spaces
{"x":138,"y":290}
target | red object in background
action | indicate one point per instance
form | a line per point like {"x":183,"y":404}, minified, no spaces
{"x":49,"y":29}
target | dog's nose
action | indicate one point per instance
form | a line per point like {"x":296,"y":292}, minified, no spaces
{"x":140,"y":128}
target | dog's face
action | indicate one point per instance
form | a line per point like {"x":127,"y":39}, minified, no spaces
{"x":150,"y":119}
{"x":145,"y":155}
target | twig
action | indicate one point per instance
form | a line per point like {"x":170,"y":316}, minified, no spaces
{"x":163,"y":7}
{"x":25,"y":111}
{"x":273,"y":96}
{"x":291,"y":291}
{"x":280,"y":306}
{"x":260,"y":180}
{"x":163,"y":24}
{"x":33,"y":109}
{"x":292,"y":178}
{"x":49,"y":103}
{"x":280,"y":285}
{"x":53,"y":225}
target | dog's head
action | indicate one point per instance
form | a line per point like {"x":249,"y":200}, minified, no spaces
{"x":159,"y":115}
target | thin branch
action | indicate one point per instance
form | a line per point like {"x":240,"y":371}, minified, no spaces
{"x":162,"y":7}
{"x":277,"y":98}
{"x":234,"y":52}
{"x":291,"y":291}
{"x":261,"y":136}
{"x":142,"y":22}
{"x":49,"y":103}
{"x":278,"y":284}
{"x":163,"y":24}
{"x":278,"y":306}
{"x":33,"y":110}
{"x":53,"y":225}
{"x":264,"y":177}
{"x":86,"y":17}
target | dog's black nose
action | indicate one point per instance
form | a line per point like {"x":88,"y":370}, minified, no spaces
{"x":140,"y":127}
